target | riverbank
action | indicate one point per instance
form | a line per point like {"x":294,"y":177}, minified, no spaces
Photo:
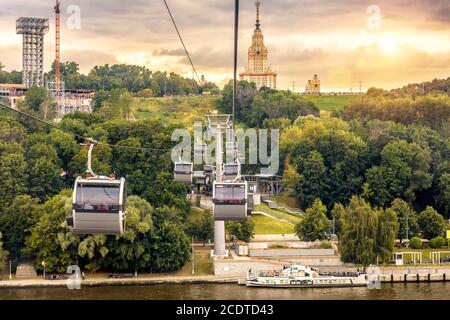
{"x":101,"y":282}
{"x":231,"y":291}
{"x":388,"y":275}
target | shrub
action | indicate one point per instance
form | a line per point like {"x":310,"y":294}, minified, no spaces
{"x":325,"y":245}
{"x":437,"y":242}
{"x":415,"y":243}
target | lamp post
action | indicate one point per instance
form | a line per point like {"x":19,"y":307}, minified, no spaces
{"x":10,"y":270}
{"x":43,"y":264}
{"x":193,"y":257}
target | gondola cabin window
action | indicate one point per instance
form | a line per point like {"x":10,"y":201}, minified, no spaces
{"x":100,"y":198}
{"x":183,"y":168}
{"x":230,"y":194}
{"x":231,"y":170}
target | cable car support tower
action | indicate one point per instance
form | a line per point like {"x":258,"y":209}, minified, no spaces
{"x":223,"y":124}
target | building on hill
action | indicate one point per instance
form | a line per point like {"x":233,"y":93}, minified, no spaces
{"x":313,"y":86}
{"x":77,"y":101}
{"x":13,"y":93}
{"x":258,"y":69}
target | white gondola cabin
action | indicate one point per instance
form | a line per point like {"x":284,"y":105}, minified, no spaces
{"x":199,"y":150}
{"x":230,"y":171}
{"x":183,"y":172}
{"x":230,"y":201}
{"x":208,"y":170}
{"x":98,"y":206}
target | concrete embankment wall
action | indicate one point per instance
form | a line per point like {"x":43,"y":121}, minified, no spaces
{"x":239,"y":268}
{"x":233,"y":268}
{"x":291,"y":252}
{"x":415,"y":274}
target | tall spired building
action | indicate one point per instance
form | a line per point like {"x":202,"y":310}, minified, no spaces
{"x":258,"y":69}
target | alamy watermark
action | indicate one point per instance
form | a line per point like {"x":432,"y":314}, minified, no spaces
{"x":373,"y":277}
{"x":74,"y":280}
{"x":253,"y":146}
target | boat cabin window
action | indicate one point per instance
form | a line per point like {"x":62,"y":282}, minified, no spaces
{"x":230,"y":194}
{"x":97,"y":198}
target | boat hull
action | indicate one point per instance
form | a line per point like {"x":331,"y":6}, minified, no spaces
{"x":267,"y":285}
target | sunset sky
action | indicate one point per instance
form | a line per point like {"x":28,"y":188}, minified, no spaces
{"x":334,"y":39}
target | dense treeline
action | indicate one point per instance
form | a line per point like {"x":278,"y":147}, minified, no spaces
{"x":431,"y":110}
{"x":37,"y":165}
{"x":435,"y":86}
{"x":14,"y":77}
{"x":387,"y":161}
{"x":381,"y":160}
{"x":254,"y":108}
{"x":136,"y":79}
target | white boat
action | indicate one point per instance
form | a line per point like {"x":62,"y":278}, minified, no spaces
{"x":298,"y":276}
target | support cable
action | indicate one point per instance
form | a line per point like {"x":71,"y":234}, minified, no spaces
{"x":182,"y":42}
{"x":115,"y":146}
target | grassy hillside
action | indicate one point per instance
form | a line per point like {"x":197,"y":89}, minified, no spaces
{"x":331,"y":103}
{"x":183,"y":109}
{"x":267,"y":225}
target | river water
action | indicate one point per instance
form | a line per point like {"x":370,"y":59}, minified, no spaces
{"x":409,"y":291}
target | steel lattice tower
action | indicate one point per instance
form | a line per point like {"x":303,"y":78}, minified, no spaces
{"x":33,"y":31}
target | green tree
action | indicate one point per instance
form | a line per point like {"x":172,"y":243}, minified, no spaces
{"x":431,"y":223}
{"x":271,"y":104}
{"x":13,"y":177}
{"x":443,"y":197}
{"x":415,"y":243}
{"x":330,"y":159}
{"x":169,"y":248}
{"x":3,"y":254}
{"x":50,"y":239}
{"x":241,"y":230}
{"x":337,"y":212}
{"x":200,"y":225}
{"x":359,"y":232}
{"x":15,"y":224}
{"x":437,"y":243}
{"x":314,"y":224}
{"x":128,"y":252}
{"x":45,"y":179}
{"x":407,"y":219}
{"x":311,"y":183}
{"x":246,"y":92}
{"x":101,"y":161}
{"x":404,"y":171}
{"x":35,"y":96}
{"x":386,"y":233}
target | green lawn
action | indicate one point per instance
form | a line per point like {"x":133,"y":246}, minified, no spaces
{"x":331,"y":103}
{"x":203,"y":264}
{"x":267,"y":225}
{"x":287,"y":201}
{"x":278,"y":214}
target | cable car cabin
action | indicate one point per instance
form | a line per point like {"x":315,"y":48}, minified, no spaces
{"x":199,"y":150}
{"x":183,"y":172}
{"x":98,"y":206}
{"x":208,"y":170}
{"x":230,"y":171}
{"x":230,"y":201}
